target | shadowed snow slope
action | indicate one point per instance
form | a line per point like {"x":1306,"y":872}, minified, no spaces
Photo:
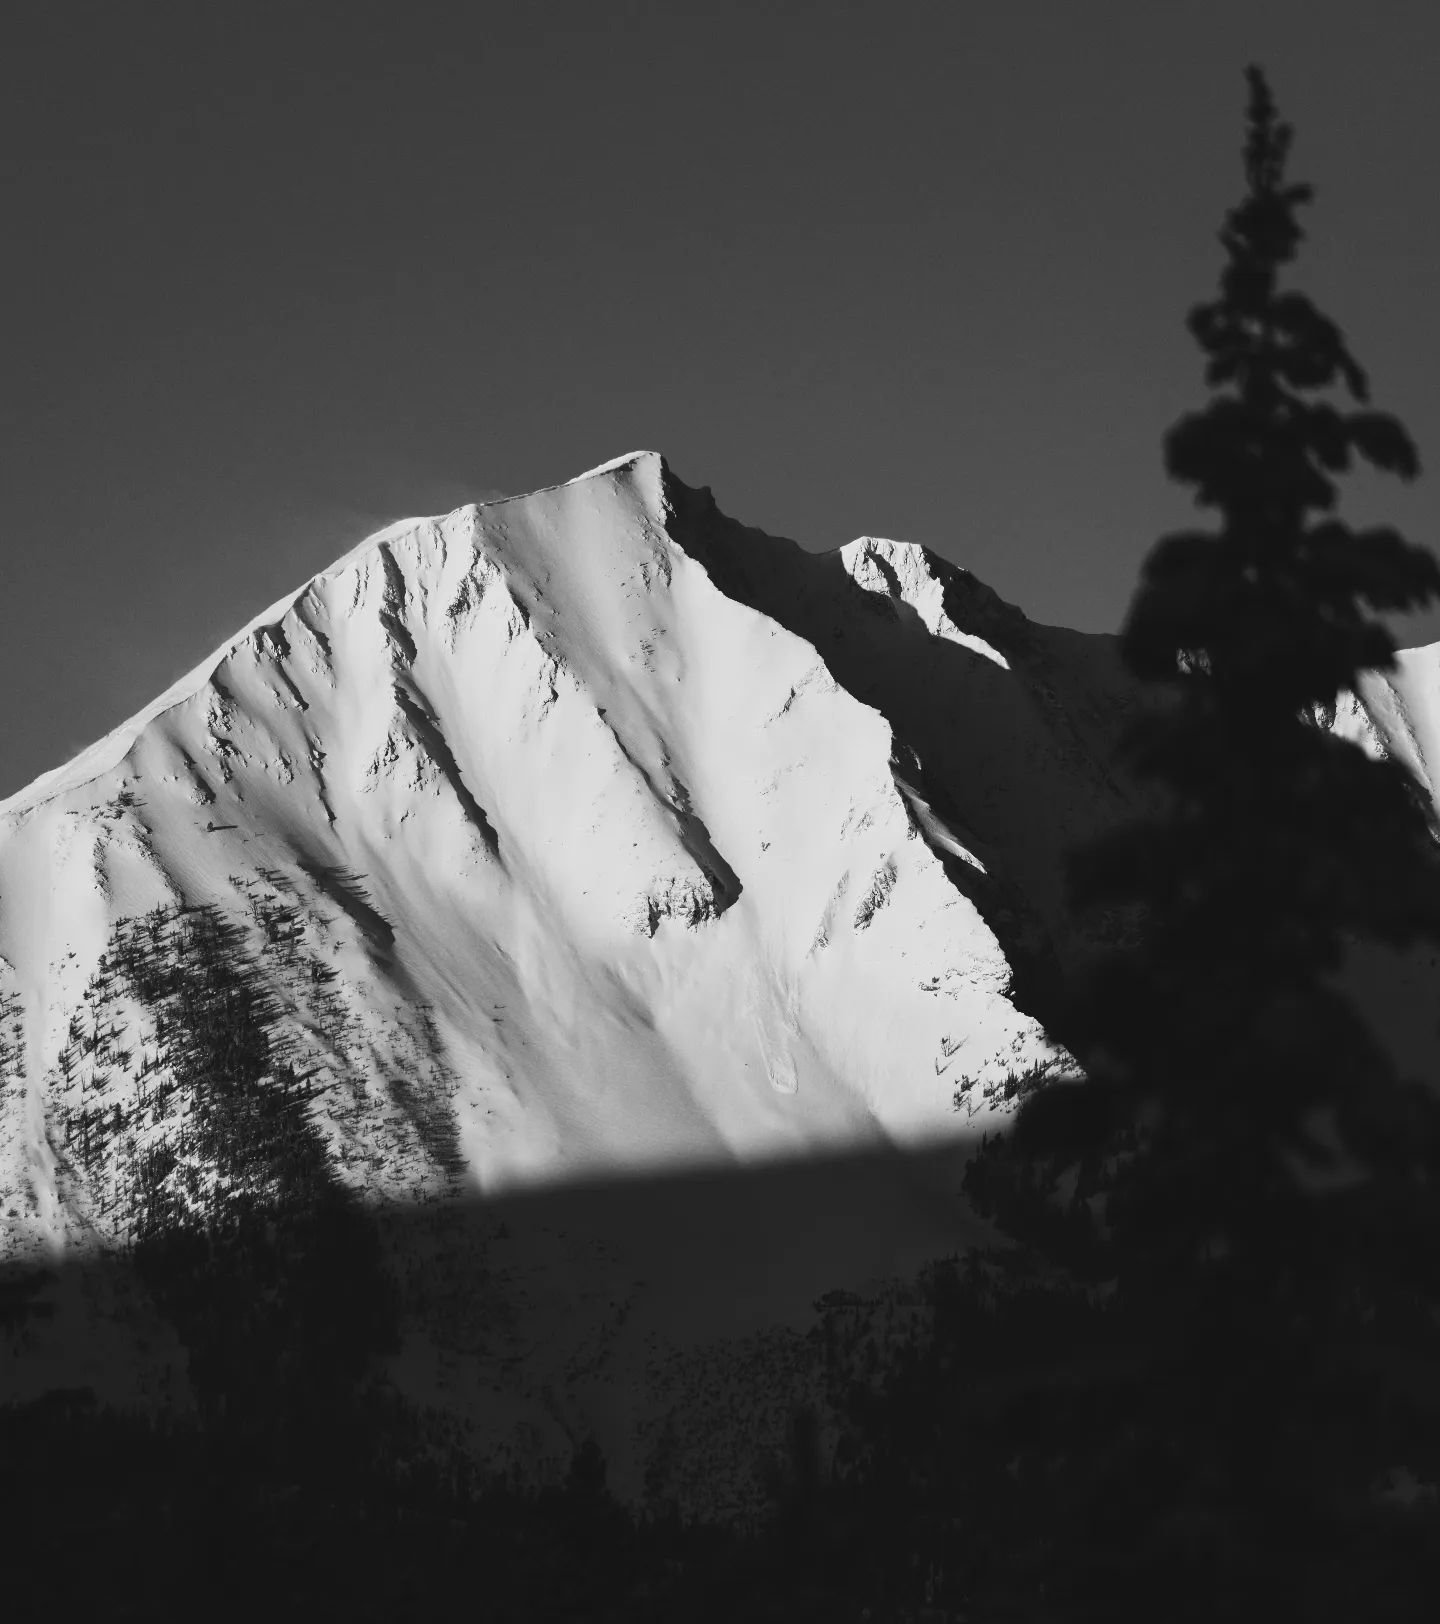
{"x":582,"y":832}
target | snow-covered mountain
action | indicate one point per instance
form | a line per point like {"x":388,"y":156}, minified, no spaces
{"x":580,"y":835}
{"x":562,"y":840}
{"x":584,"y":831}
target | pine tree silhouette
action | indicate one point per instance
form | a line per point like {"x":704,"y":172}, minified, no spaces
{"x":1271,"y":1195}
{"x":1279,"y":842}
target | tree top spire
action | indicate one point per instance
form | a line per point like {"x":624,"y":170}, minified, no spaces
{"x":1268,"y":141}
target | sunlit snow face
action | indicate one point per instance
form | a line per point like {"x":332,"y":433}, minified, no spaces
{"x":632,"y":877}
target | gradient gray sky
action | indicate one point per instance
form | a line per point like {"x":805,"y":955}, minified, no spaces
{"x":271,"y":278}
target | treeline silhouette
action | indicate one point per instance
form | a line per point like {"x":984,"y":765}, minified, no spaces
{"x":1202,"y":1379}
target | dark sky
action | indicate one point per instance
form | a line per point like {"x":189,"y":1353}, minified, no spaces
{"x":271,"y":278}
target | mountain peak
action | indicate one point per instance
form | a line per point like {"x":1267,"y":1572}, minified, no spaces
{"x":608,"y":853}
{"x":647,"y":474}
{"x":630,"y":459}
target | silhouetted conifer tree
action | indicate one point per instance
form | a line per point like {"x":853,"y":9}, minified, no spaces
{"x":1279,"y":841}
{"x":1271,"y":1183}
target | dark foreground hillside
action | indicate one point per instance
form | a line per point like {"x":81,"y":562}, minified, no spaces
{"x":993,"y":1441}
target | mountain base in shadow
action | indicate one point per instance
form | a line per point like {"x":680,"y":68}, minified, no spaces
{"x":815,"y":1391}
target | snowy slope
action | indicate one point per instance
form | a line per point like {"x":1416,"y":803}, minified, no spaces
{"x":557,"y":844}
{"x":1009,"y":727}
